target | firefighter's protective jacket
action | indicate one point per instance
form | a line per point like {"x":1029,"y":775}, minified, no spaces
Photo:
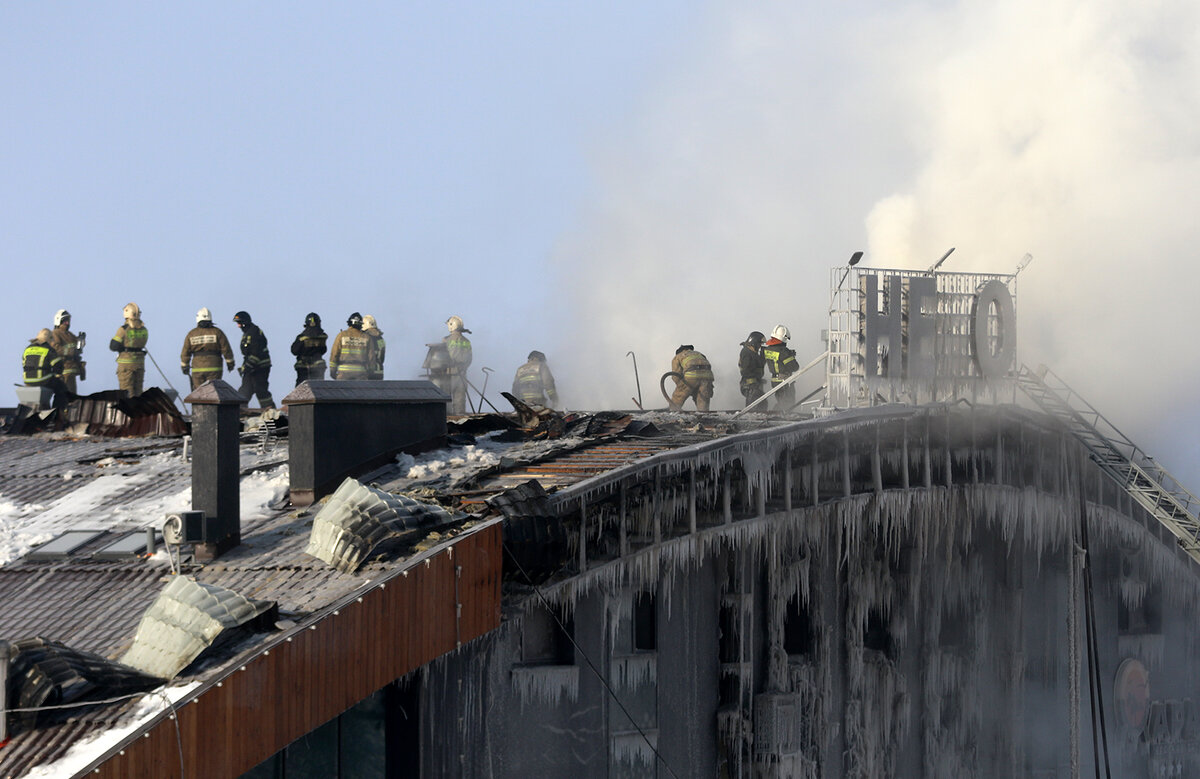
{"x":204,"y":347}
{"x":255,"y":356}
{"x":130,"y":344}
{"x":309,"y":348}
{"x":41,"y":363}
{"x":534,"y":383}
{"x":380,"y":345}
{"x":693,"y":366}
{"x":352,"y":354}
{"x":780,"y":359}
{"x":66,"y":344}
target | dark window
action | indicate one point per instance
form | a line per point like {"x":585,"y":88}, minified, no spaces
{"x":546,"y":638}
{"x":877,"y":636}
{"x":798,"y":635}
{"x":645,"y":623}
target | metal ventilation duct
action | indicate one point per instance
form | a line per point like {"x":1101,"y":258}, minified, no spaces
{"x":357,"y":519}
{"x":187,"y":618}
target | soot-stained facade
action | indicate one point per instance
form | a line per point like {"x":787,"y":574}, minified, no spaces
{"x":938,"y":591}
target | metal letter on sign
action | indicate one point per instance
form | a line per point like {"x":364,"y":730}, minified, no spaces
{"x":879,"y":327}
{"x":921,"y":360}
{"x":994,"y":363}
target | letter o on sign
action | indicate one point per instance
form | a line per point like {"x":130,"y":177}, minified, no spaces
{"x":994,"y":349}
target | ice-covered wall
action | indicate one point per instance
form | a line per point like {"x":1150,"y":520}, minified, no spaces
{"x":891,"y":595}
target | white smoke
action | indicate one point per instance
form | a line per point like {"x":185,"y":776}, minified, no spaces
{"x":788,"y":136}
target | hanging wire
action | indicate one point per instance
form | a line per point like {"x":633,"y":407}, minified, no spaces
{"x":537,"y":590}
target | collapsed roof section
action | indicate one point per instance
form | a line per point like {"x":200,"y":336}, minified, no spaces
{"x":357,"y":521}
{"x":108,"y":413}
{"x":186,"y":620}
{"x":45,"y":675}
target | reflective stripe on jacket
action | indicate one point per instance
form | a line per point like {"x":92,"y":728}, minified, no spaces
{"x":780,"y":359}
{"x":132,"y":337}
{"x":40,"y":363}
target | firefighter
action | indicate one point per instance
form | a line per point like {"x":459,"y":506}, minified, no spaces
{"x":751,"y":365}
{"x":309,"y":349}
{"x":353,"y":352}
{"x":782,"y":362}
{"x":534,"y":383}
{"x":130,"y":345}
{"x":376,"y":335}
{"x":203,"y":347}
{"x":43,"y":367}
{"x":694,"y":380}
{"x":458,"y":354}
{"x":256,"y":362}
{"x":70,"y":348}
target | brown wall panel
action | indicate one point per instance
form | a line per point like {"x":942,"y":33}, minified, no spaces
{"x":300,"y":684}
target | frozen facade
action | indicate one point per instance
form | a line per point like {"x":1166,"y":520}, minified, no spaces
{"x":889,"y":592}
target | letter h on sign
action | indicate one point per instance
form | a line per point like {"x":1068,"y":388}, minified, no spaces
{"x":891,"y":326}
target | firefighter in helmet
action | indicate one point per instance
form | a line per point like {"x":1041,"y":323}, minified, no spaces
{"x":782,"y":361}
{"x":309,"y":349}
{"x":43,"y":366}
{"x":256,"y":361}
{"x":751,"y":365}
{"x":353,"y":352}
{"x":693,"y":379}
{"x":458,"y":353}
{"x":203,"y":348}
{"x":534,"y":384}
{"x":130,"y":345}
{"x":70,"y":348}
{"x":376,"y":335}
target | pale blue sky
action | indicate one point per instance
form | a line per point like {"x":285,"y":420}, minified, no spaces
{"x":410,"y":161}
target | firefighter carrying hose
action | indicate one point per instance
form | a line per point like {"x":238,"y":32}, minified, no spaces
{"x":534,"y":384}
{"x":782,"y":362}
{"x":693,"y":378}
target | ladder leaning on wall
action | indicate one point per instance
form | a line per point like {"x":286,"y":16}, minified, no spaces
{"x":1146,"y":481}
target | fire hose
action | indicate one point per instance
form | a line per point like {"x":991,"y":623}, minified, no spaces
{"x":662,"y":385}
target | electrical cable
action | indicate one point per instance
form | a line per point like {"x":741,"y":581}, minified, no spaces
{"x":591,"y":665}
{"x":178,"y":736}
{"x":1095,"y":682}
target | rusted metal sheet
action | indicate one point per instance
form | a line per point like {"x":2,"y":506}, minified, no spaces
{"x":316,"y":671}
{"x":113,"y":414}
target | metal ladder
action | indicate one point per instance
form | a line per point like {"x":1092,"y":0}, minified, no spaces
{"x":1146,"y":481}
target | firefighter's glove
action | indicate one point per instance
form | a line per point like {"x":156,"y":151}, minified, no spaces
{"x":241,"y":370}
{"x":185,"y":370}
{"x":229,"y":366}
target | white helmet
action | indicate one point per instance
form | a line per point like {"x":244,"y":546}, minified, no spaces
{"x":203,"y":315}
{"x":132,"y":311}
{"x":60,"y":316}
{"x":782,"y":333}
{"x":369,"y":321}
{"x":454,"y":323}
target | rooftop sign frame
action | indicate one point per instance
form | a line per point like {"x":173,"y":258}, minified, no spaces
{"x":912,"y":336}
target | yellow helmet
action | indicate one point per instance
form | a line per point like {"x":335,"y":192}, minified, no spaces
{"x":43,"y":336}
{"x":132,"y":311}
{"x":454,"y":323}
{"x":369,"y":321}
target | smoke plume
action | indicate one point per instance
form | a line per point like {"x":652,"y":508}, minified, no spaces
{"x":786,"y":137}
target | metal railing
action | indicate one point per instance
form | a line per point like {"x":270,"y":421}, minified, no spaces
{"x":1150,"y":484}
